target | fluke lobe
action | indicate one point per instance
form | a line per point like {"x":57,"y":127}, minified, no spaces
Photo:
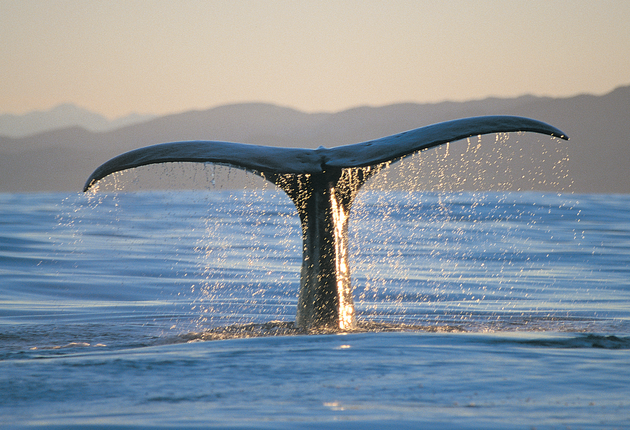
{"x":322,"y":183}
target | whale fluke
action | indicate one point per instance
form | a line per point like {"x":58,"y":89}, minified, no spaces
{"x":322,"y":183}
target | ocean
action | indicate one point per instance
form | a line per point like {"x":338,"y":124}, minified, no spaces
{"x":174,"y":309}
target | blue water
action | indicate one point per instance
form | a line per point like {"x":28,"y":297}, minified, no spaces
{"x":478,"y":310}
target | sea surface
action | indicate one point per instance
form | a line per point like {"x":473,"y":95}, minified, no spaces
{"x":175,"y":309}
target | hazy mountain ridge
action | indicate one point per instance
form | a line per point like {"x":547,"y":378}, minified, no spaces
{"x":63,"y":116}
{"x":61,"y":160}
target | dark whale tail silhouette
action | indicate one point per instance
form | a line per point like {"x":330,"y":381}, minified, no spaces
{"x":322,"y":183}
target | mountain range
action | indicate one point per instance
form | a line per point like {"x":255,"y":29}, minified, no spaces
{"x":63,"y":116}
{"x":56,"y":157}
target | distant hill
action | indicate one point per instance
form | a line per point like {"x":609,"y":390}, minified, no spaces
{"x":598,"y":152}
{"x":63,"y":116}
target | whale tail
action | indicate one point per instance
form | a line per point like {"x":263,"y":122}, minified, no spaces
{"x":322,"y":183}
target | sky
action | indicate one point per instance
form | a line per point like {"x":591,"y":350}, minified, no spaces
{"x":159,"y":57}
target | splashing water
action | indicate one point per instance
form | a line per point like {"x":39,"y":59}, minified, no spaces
{"x":446,"y":259}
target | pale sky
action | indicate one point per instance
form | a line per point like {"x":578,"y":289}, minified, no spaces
{"x":117,"y":57}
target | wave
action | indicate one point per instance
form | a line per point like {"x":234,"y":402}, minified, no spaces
{"x":582,"y":341}
{"x":288,"y":328}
